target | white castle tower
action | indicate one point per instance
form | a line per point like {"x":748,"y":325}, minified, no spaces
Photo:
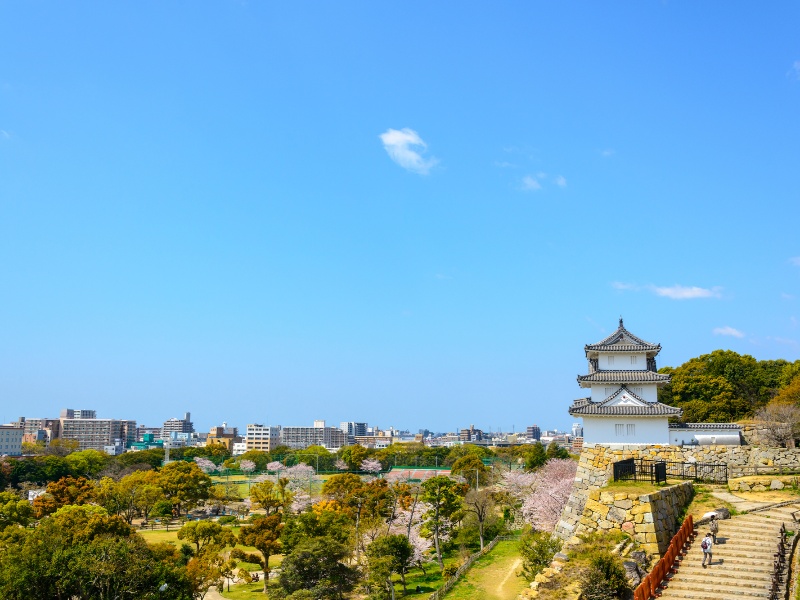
{"x":623,"y":407}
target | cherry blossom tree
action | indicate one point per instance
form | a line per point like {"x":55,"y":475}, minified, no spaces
{"x":551,"y":488}
{"x":275,"y":466}
{"x":205,"y":465}
{"x":300,"y":476}
{"x":247,"y":466}
{"x":341,"y":465}
{"x":371,"y":465}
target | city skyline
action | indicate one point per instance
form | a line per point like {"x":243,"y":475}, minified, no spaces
{"x":395,"y":213}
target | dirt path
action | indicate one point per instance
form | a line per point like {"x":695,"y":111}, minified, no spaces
{"x":512,"y":572}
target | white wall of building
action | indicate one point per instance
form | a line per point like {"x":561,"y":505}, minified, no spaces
{"x":613,"y":361}
{"x":10,"y":440}
{"x":647,"y":391}
{"x":625,"y":430}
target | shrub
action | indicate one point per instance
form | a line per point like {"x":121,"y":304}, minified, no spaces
{"x":605,"y":578}
{"x":449,"y":571}
{"x":227,"y":520}
{"x":537,"y":549}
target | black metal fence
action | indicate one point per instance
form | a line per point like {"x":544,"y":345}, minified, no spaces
{"x":658,"y":471}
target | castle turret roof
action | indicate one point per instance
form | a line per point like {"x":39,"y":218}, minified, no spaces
{"x":623,"y":402}
{"x":623,"y":340}
{"x":623,"y":377}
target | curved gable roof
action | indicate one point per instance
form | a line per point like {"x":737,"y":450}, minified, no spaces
{"x":623,"y":340}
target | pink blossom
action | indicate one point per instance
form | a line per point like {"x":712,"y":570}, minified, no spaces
{"x":551,"y":488}
{"x":247,"y":466}
{"x":371,"y":465}
{"x":205,"y":465}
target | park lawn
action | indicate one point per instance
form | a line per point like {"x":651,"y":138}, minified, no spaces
{"x":492,"y":577}
{"x":153,"y":536}
{"x":160,"y":535}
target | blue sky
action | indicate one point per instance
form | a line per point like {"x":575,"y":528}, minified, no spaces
{"x":412,"y":214}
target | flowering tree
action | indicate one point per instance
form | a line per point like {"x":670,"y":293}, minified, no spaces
{"x":341,"y":465}
{"x":299,"y":476}
{"x":513,"y":487}
{"x":275,"y":466}
{"x":247,"y":466}
{"x":371,"y":465}
{"x":205,"y":465}
{"x":551,"y":488}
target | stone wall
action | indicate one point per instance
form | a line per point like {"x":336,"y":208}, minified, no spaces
{"x":651,"y":519}
{"x":595,"y":468}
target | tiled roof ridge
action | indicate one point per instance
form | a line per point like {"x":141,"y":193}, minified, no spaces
{"x":620,"y":334}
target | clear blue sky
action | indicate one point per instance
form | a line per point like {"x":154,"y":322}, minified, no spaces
{"x":412,"y":214}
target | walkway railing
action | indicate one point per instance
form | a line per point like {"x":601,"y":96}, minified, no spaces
{"x":651,"y":585}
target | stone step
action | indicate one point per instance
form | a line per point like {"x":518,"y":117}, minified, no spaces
{"x":728,"y":574}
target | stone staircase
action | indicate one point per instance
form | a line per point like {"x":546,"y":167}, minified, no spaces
{"x":743,"y":559}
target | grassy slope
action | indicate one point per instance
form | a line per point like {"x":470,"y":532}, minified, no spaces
{"x":492,"y":577}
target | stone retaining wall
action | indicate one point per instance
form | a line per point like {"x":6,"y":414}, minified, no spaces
{"x":595,"y":470}
{"x":651,"y":519}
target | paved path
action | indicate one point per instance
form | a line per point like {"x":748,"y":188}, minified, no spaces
{"x":742,"y":568}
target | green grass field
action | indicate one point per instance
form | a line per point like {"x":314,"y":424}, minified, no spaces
{"x":492,"y":577}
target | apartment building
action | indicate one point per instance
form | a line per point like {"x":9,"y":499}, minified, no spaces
{"x":262,"y":437}
{"x":98,"y":433}
{"x":10,"y":440}
{"x":175,"y":425}
{"x":332,"y":438}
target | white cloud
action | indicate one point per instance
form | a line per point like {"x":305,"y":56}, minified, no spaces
{"x":676,"y":292}
{"x":4,"y":134}
{"x":607,"y":153}
{"x":795,"y":260}
{"x":561,"y":181}
{"x":530,"y":184}
{"x":785,"y":296}
{"x":405,"y":147}
{"x":680,"y":292}
{"x":795,"y":70}
{"x":728,"y":330}
{"x":504,"y":164}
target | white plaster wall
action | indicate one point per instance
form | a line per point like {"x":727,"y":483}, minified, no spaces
{"x":622,"y":362}
{"x":602,"y":430}
{"x":649,"y":391}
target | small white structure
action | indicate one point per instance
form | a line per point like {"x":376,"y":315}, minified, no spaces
{"x":623,"y":407}
{"x":705,"y":434}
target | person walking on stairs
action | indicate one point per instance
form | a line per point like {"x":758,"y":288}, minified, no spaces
{"x":706,"y":546}
{"x":713,"y":527}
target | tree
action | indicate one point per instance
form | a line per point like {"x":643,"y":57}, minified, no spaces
{"x":550,"y":490}
{"x":184,"y":485}
{"x":784,"y":423}
{"x":353,"y":455}
{"x":67,"y":490}
{"x":556,"y":451}
{"x":480,"y":504}
{"x":342,"y":487}
{"x":443,"y":495}
{"x":329,"y":524}
{"x":791,"y":393}
{"x":272,"y":496}
{"x":472,"y":469}
{"x":247,"y":466}
{"x":536,"y":456}
{"x":86,"y":463}
{"x":207,"y":533}
{"x":371,"y":465}
{"x":138,"y":493}
{"x":14,"y":510}
{"x":205,"y":571}
{"x":81,"y":552}
{"x":390,"y":554}
{"x":264,"y":535}
{"x":206,"y":466}
{"x":537,"y":549}
{"x":317,"y":564}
